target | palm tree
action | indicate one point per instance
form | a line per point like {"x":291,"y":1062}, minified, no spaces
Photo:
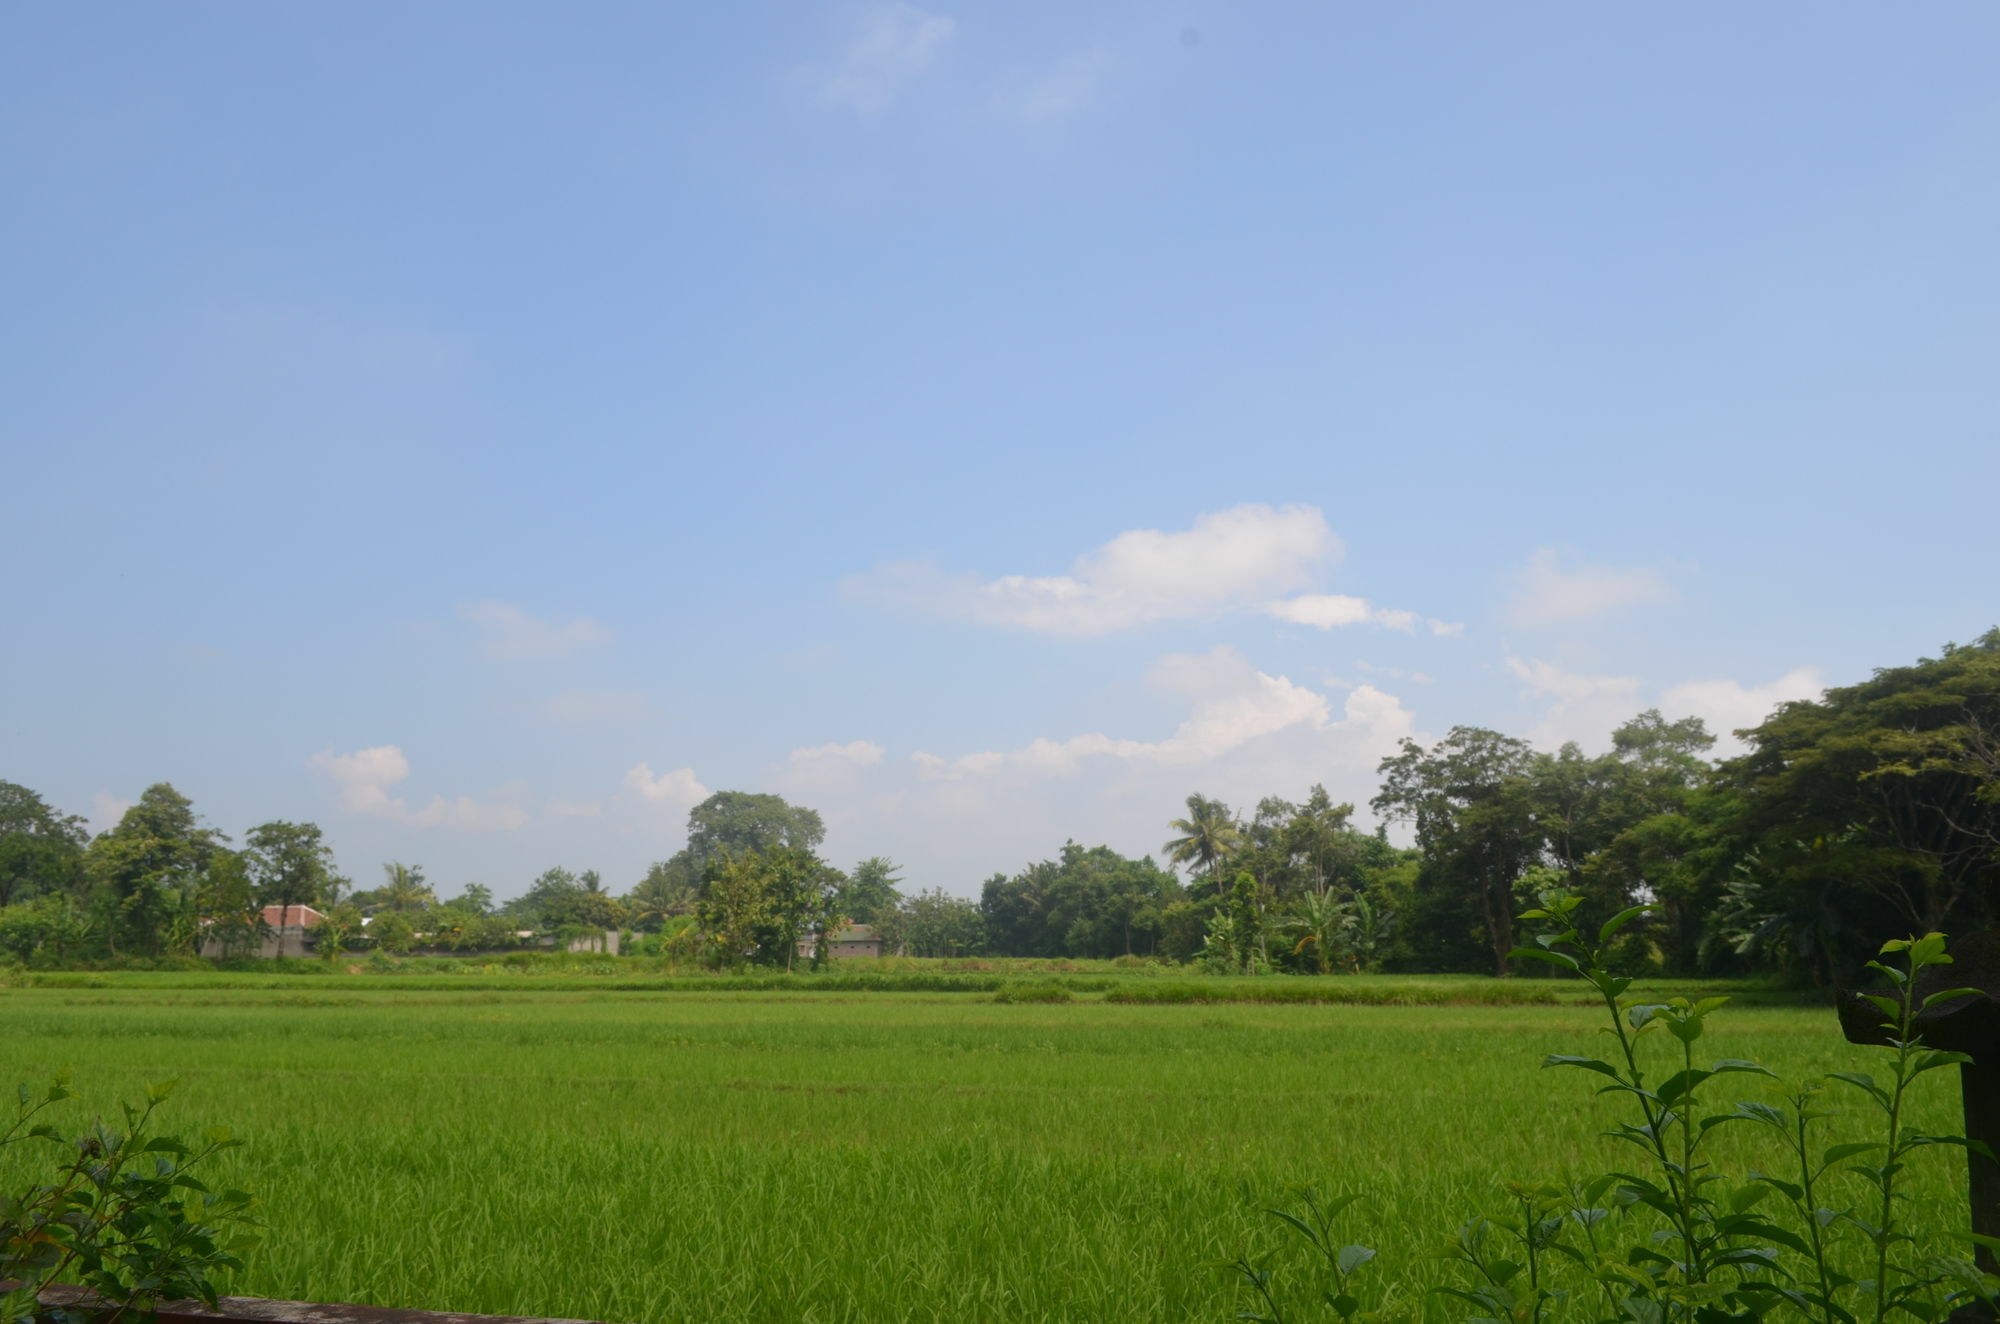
{"x":1208,"y":835}
{"x":1319,"y":919}
{"x":403,"y":888}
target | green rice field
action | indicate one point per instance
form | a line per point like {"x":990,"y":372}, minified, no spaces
{"x":604,"y":1150}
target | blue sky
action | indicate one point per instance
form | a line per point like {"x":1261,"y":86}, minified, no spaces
{"x":484,"y":429}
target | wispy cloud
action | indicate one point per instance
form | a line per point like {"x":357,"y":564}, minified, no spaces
{"x":1331,"y":611}
{"x":1581,"y":707}
{"x":1729,"y":705}
{"x":674,"y":792}
{"x":1233,"y":705}
{"x":1555,"y":587}
{"x":891,"y":47}
{"x":508,"y":630}
{"x":1229,"y":558}
{"x":1054,"y":94}
{"x":365,"y":776}
{"x":1243,"y":733}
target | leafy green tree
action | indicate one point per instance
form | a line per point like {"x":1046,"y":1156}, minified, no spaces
{"x":1208,"y":835}
{"x":403,"y":889}
{"x":1875,"y":810}
{"x":476,"y":899}
{"x":290,"y":865}
{"x":41,"y":848}
{"x":142,"y":867}
{"x":1087,"y":902}
{"x":664,"y":894}
{"x":559,"y":899}
{"x":338,"y":925}
{"x":1236,"y":930}
{"x":1470,"y":800}
{"x":735,"y":907}
{"x":228,"y":903}
{"x":868,"y":894}
{"x":737,"y":822}
{"x":392,"y":932}
{"x":935,"y":923}
{"x":1319,"y":919}
{"x":53,"y":927}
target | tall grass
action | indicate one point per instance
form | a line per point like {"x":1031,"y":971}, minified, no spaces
{"x":763,"y":1156}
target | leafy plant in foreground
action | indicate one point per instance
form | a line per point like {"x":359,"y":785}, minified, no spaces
{"x":123,"y":1216}
{"x":1671,"y":1238}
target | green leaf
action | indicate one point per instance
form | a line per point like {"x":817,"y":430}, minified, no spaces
{"x":1948,"y":994}
{"x":1790,"y":1190}
{"x":1587,"y":1063}
{"x":1744,"y":1197}
{"x":1724,"y":1065}
{"x":1836,"y":1153}
{"x":1687,"y":1030}
{"x":1552,"y":958}
{"x":1353,"y":1257}
{"x":1619,"y":921}
{"x":1680,"y":1084}
{"x":1863,"y":1081}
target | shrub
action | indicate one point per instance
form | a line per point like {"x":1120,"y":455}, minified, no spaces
{"x":122,"y":1216}
{"x":1817,"y":1232}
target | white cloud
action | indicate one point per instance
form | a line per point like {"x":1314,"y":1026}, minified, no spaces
{"x":1582,"y":708}
{"x":861,"y":752}
{"x":1233,"y":705}
{"x":106,"y":810}
{"x":1395,"y":673}
{"x":1553,"y":588}
{"x":893,"y":45}
{"x":1728,"y":705}
{"x":677,"y":791}
{"x":585,"y":706}
{"x":508,"y":630}
{"x":365,"y":776}
{"x":1228,"y":558}
{"x":1242,"y":734}
{"x":824,"y":767}
{"x":1332,"y":611}
{"x":1587,"y":708}
{"x":577,"y":808}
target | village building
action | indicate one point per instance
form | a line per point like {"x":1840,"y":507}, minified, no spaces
{"x":853,"y":940}
{"x":283,"y":933}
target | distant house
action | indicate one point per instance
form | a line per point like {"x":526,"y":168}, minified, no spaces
{"x":284,"y":932}
{"x":853,"y":940}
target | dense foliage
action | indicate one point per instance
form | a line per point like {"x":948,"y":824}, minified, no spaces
{"x":1871,"y":812}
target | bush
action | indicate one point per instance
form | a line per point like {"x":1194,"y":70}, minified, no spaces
{"x":1816,"y":1231}
{"x":122,"y":1215}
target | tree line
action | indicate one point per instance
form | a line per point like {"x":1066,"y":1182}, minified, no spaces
{"x":1869,"y":813}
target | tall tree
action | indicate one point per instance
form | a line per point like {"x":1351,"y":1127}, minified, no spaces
{"x":736,"y":822}
{"x":1877,"y":807}
{"x":935,"y":923}
{"x":403,"y":888}
{"x":41,"y":848}
{"x":1207,"y":837}
{"x":1469,"y":798}
{"x":869,"y":893}
{"x":735,"y":907}
{"x":665,"y":893}
{"x":290,"y":865}
{"x":140,"y":868}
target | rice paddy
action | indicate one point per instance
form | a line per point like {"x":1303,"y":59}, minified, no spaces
{"x":577,"y":1148}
